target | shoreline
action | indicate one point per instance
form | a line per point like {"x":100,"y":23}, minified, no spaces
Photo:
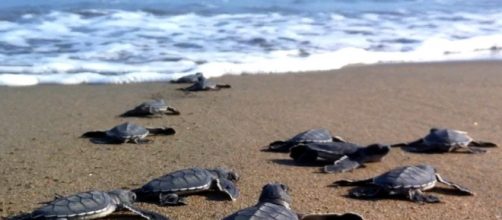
{"x":41,"y":154}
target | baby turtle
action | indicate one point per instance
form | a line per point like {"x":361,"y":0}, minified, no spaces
{"x":89,"y":205}
{"x":192,"y":78}
{"x":167,"y":189}
{"x":445,"y":140}
{"x":346,"y":156}
{"x":126,"y":132}
{"x":274,"y":204}
{"x":151,"y":108}
{"x":204,"y":84}
{"x":316,"y":135}
{"x":408,"y":180}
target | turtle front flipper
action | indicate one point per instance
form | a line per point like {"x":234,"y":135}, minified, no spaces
{"x":161,"y":131}
{"x":482,"y":144}
{"x":166,"y":199}
{"x":343,"y":164}
{"x":172,"y":111}
{"x":456,"y":186}
{"x":228,"y":187}
{"x":145,"y":214}
{"x":418,"y":196}
{"x":330,"y":216}
{"x":475,"y":150}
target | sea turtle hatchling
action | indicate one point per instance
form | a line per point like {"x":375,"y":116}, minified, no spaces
{"x":126,"y":132}
{"x":345,"y":156}
{"x":168,"y":189}
{"x":151,"y":108}
{"x":203,"y":84}
{"x":88,"y":205}
{"x":445,"y":140}
{"x":274,"y":204}
{"x":409,"y":181}
{"x":316,"y":135}
{"x":191,"y":78}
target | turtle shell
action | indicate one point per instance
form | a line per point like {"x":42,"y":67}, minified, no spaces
{"x":264,"y":211}
{"x":408,"y":177}
{"x":91,"y":204}
{"x":317,"y":135}
{"x":188,"y":78}
{"x":127,"y":130}
{"x":180,"y":182}
{"x":152,"y":106}
{"x":447,"y":137}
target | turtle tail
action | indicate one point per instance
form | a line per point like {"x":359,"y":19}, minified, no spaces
{"x":223,"y":86}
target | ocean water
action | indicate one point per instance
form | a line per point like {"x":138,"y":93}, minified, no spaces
{"x":125,"y":41}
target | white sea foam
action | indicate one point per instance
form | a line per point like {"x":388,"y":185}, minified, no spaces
{"x":117,"y":46}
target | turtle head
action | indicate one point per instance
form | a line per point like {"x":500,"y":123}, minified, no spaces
{"x":375,"y":152}
{"x":275,"y":193}
{"x":122,"y":197}
{"x":226,"y":174}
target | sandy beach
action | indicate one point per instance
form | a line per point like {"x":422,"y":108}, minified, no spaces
{"x":41,"y":153}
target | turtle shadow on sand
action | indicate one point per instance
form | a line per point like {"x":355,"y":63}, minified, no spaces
{"x":441,"y":190}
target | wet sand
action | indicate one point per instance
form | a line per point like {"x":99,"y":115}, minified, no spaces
{"x":41,"y":153}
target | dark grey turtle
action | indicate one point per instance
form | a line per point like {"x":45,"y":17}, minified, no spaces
{"x":167,"y":189}
{"x":89,"y":205}
{"x":316,"y":135}
{"x":192,"y":78}
{"x":409,"y":181}
{"x":151,"y":108}
{"x":204,"y":84}
{"x":274,"y":204}
{"x":345,"y":156}
{"x":445,"y":140}
{"x":126,"y":132}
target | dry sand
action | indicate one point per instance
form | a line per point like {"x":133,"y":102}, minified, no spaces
{"x":41,"y":154}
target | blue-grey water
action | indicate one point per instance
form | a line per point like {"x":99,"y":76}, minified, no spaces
{"x":122,"y":41}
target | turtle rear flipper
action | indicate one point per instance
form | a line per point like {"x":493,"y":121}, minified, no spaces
{"x":456,"y":186}
{"x":330,"y":216}
{"x":420,"y":197}
{"x":482,"y":144}
{"x":145,"y":214}
{"x":106,"y":140}
{"x":161,"y":131}
{"x":228,"y":187}
{"x":302,"y":154}
{"x":279,"y":146}
{"x":353,"y":182}
{"x":338,"y":139}
{"x":133,"y":113}
{"x":171,"y":199}
{"x":223,"y":86}
{"x":343,"y":164}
